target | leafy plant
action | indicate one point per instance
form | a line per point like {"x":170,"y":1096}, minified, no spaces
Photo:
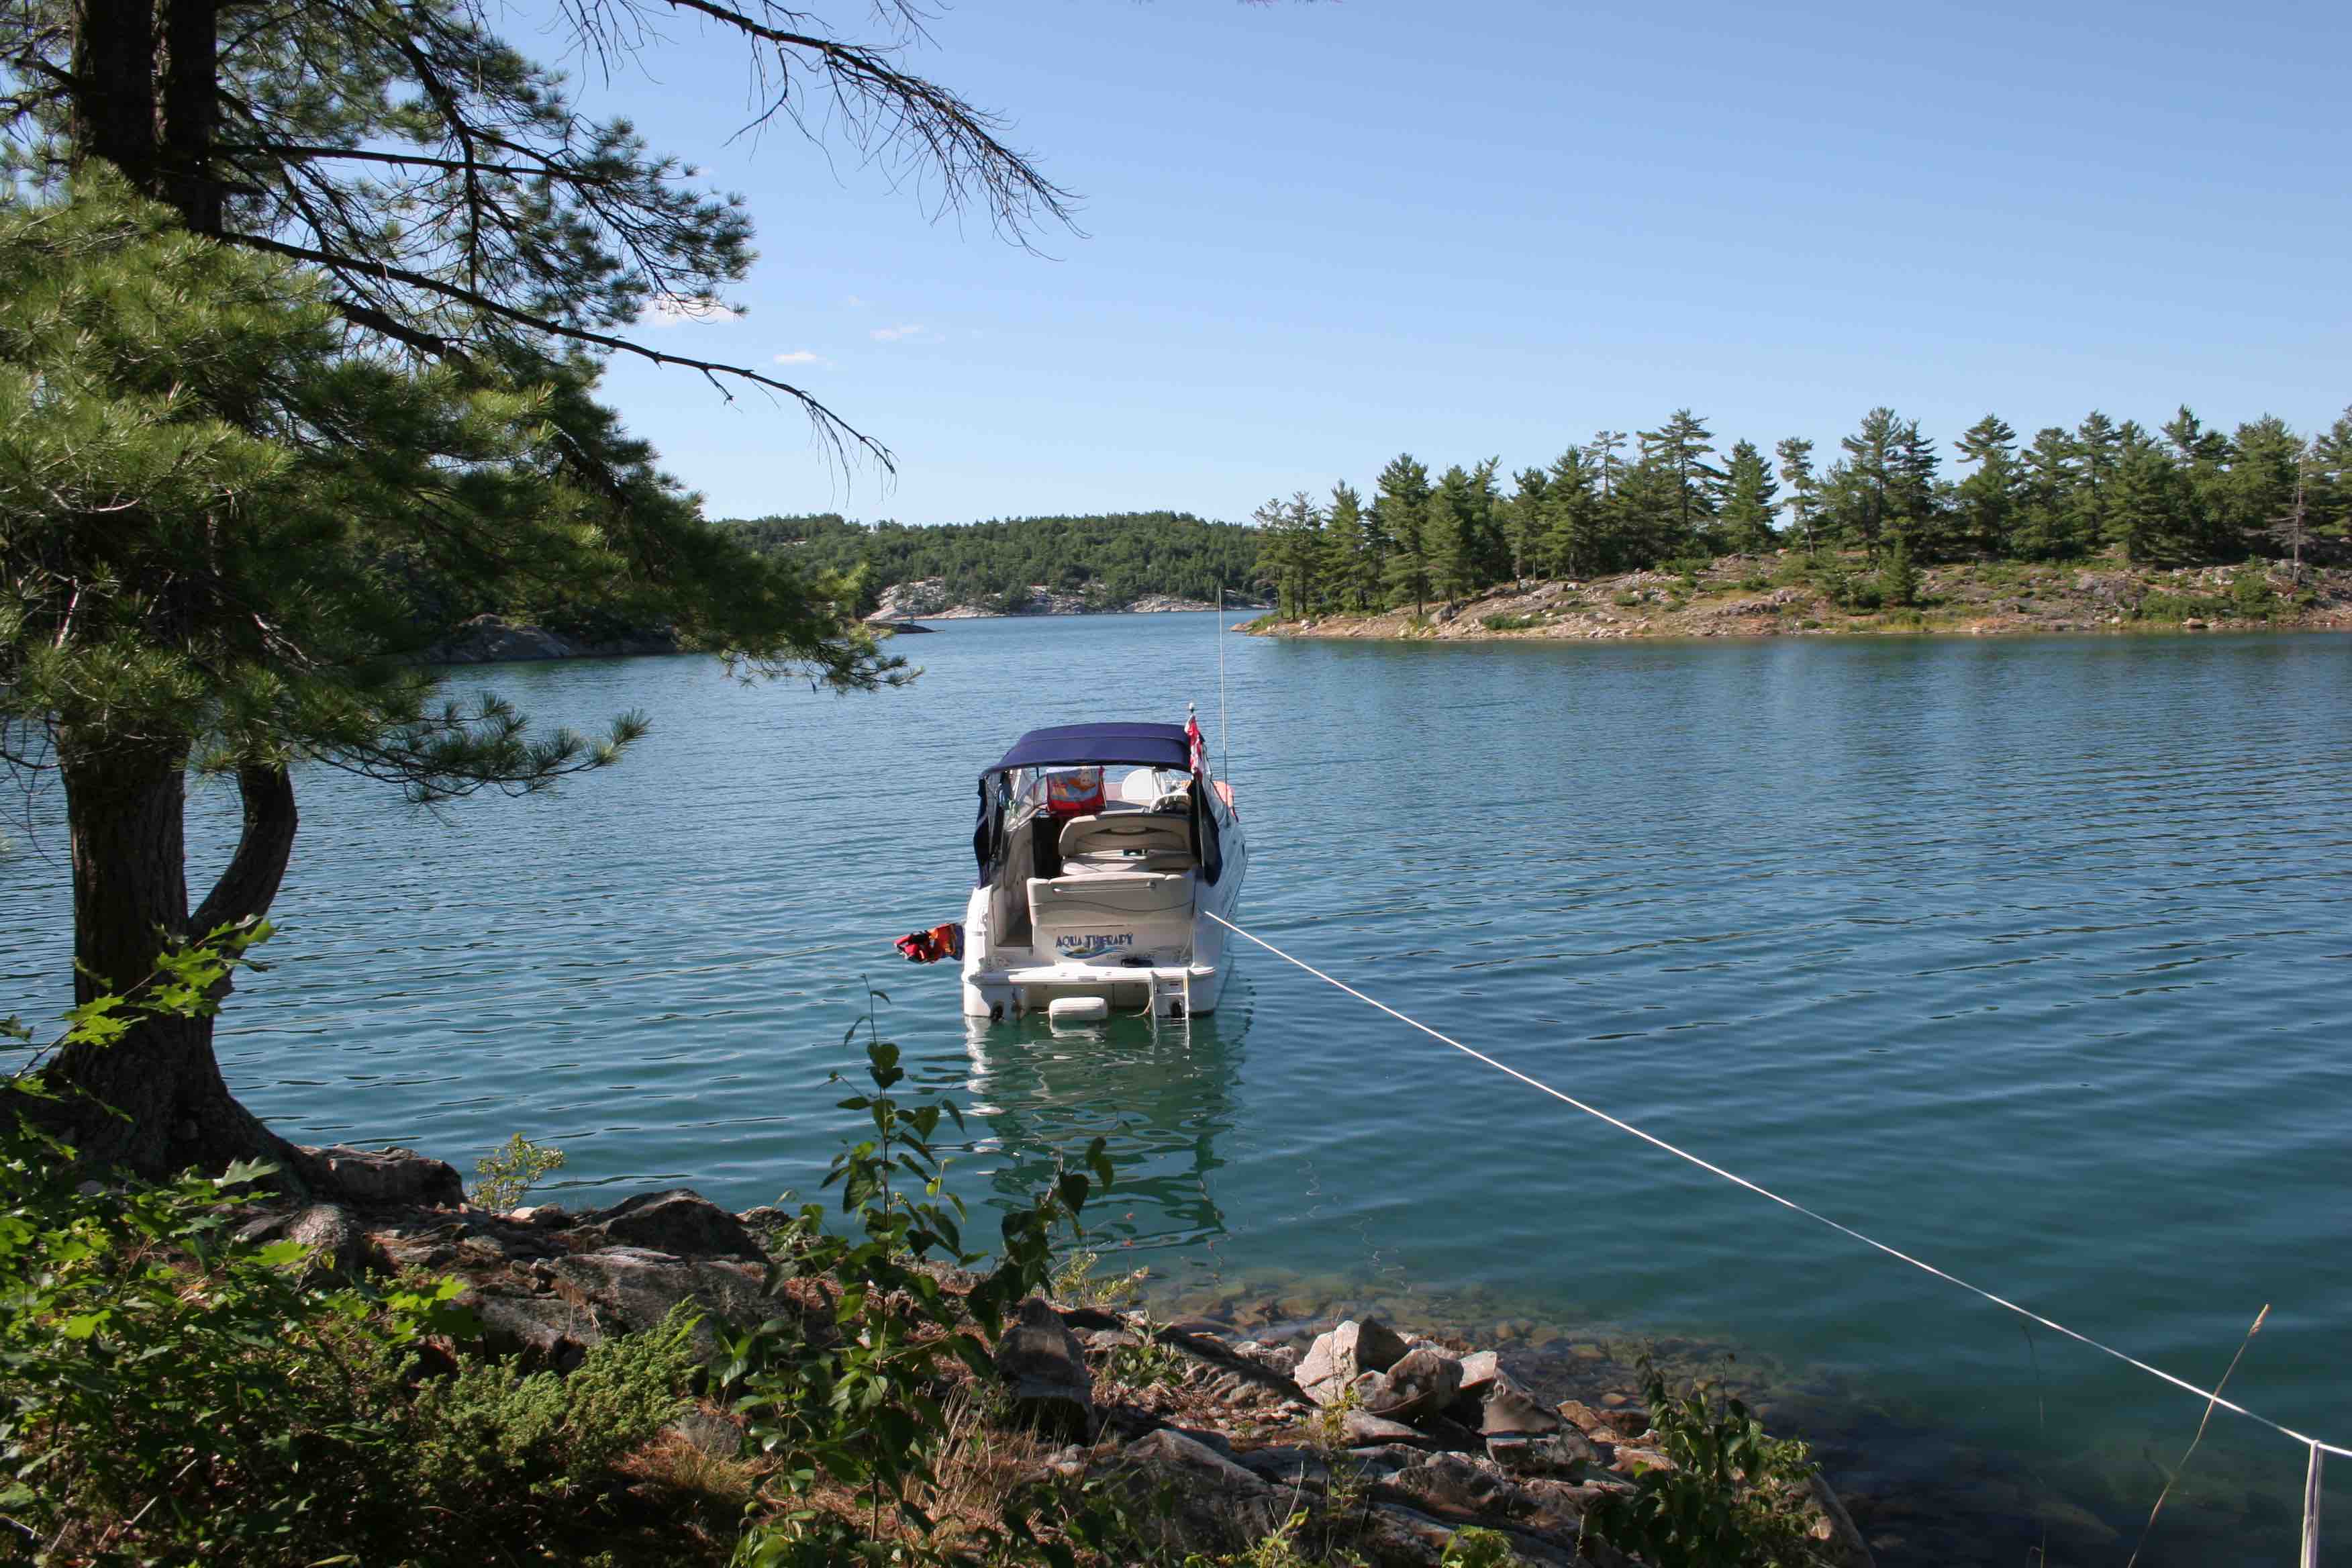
{"x":491,"y":1429}
{"x":509,"y":1171}
{"x":1844,"y":589}
{"x":1142,"y":1360}
{"x":1278,"y":1548}
{"x":1509,"y":622}
{"x":852,"y":1400}
{"x":1473,"y":1547}
{"x":1077,"y":1283}
{"x":1731,"y":1497}
{"x":2251,"y":594}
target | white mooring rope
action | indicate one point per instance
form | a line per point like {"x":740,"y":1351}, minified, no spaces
{"x":2312,"y":1480}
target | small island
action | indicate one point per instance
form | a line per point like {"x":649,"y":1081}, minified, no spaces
{"x":1791,"y":594}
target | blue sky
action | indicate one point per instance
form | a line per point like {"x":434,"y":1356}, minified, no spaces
{"x":1318,"y":234}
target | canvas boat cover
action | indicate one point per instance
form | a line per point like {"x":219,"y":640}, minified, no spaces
{"x":1076,"y":745}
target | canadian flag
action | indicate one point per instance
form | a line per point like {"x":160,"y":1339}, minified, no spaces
{"x":1200,"y":747}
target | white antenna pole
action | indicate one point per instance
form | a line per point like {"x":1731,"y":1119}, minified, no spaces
{"x":1224,"y":726}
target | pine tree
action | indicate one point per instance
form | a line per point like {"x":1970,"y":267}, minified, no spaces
{"x":1916,"y":500}
{"x":1988,"y":499}
{"x":1400,"y":506}
{"x":1452,"y":533}
{"x":459,"y":212}
{"x":2145,"y":518}
{"x":2203,"y":457}
{"x":1607,"y":467}
{"x":2261,"y":482}
{"x":1749,"y":501}
{"x":2098,"y":448}
{"x":1643,"y":516}
{"x":1527,"y":519}
{"x":2331,"y":478}
{"x":228,"y":534}
{"x":1682,"y":444}
{"x":1865,"y":489}
{"x":1487,"y":550}
{"x":1354,"y":550}
{"x":1796,"y":457}
{"x":1572,"y":545}
{"x":1292,"y":557}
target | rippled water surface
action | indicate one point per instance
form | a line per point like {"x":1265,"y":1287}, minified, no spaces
{"x":2030,"y":957}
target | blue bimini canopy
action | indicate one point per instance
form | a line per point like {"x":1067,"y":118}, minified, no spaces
{"x":1076,"y":745}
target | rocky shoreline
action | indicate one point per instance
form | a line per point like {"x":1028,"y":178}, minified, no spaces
{"x":1402,"y":1439}
{"x":927,"y":599}
{"x":1783,"y":595}
{"x":494,"y":640}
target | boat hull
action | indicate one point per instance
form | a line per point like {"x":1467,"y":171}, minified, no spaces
{"x":1010,"y":983}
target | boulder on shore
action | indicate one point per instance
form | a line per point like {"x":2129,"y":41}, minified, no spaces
{"x":1046,"y":1367}
{"x":1336,"y":1358}
{"x":386,"y":1178}
{"x":680,"y":1222}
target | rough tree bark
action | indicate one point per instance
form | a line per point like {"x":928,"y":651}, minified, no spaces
{"x":154,"y":1100}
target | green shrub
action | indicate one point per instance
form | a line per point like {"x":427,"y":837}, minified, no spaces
{"x":1899,"y":580}
{"x":856,"y":1405}
{"x":2251,"y":597}
{"x":509,"y":1171}
{"x":491,"y":1428}
{"x":1509,"y":622}
{"x":1077,"y":1283}
{"x":1733,"y":1497}
{"x":2161,"y":605}
{"x":1845,"y":589}
{"x":1473,"y":1547}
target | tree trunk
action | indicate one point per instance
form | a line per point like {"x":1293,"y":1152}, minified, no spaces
{"x":113,"y":88}
{"x":190,"y":93}
{"x":154,"y":1100}
{"x":144,"y":96}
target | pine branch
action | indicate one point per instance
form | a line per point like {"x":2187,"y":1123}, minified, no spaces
{"x":839,"y":433}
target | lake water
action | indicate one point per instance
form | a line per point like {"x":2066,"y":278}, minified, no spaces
{"x":2028,"y":957}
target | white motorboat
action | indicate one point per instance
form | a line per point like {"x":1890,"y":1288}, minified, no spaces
{"x":1103,"y":849}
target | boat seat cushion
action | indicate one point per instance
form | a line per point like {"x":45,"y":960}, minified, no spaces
{"x":1129,"y":837}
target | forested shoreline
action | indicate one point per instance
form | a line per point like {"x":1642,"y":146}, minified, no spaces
{"x":2184,"y":494}
{"x":1108,"y":559}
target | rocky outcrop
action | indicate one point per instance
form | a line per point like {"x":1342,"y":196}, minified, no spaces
{"x":1782,"y":595}
{"x":680,"y":1222}
{"x":1377,"y":1447}
{"x":494,"y":640}
{"x":927,"y":599}
{"x":381,"y":1178}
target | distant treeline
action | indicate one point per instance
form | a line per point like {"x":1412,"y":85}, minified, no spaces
{"x":2182,"y":494}
{"x":1110,"y":560}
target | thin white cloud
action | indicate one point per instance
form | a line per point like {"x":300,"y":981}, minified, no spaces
{"x":802,"y":357}
{"x":853,"y":302}
{"x":899,"y":333}
{"x":670,"y":310}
